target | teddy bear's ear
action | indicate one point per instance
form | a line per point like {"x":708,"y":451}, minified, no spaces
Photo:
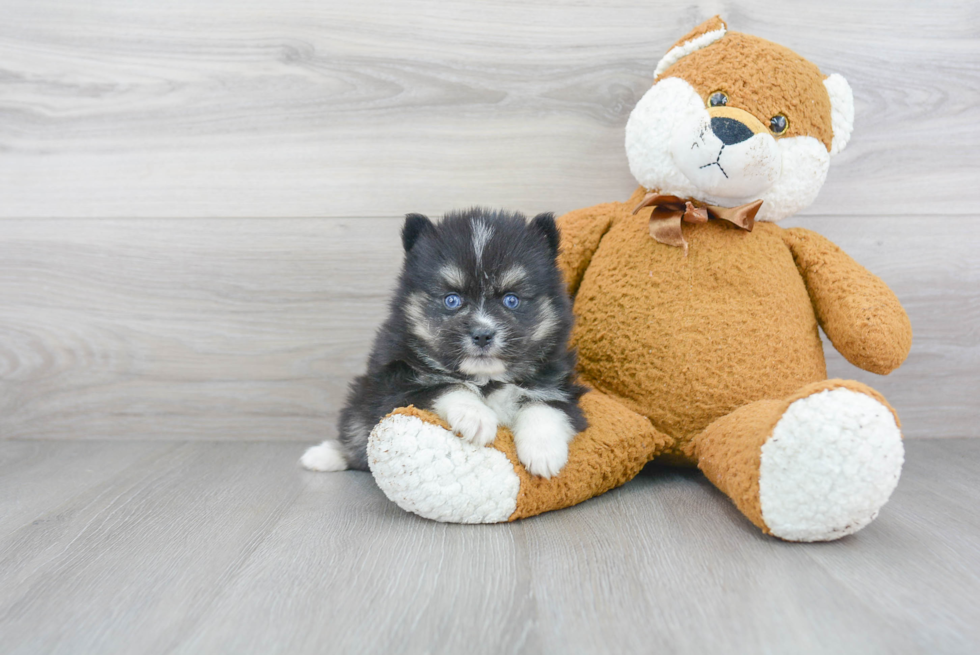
{"x":841,"y":111}
{"x":704,"y":34}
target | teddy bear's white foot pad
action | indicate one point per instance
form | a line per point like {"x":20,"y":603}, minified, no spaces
{"x":832,"y":461}
{"x":429,"y":471}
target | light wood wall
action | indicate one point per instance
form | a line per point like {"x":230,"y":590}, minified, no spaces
{"x":200,"y":201}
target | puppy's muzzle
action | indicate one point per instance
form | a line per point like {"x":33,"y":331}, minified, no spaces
{"x":482,"y":337}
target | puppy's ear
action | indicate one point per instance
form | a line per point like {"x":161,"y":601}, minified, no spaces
{"x":544,"y":224}
{"x":415,"y":226}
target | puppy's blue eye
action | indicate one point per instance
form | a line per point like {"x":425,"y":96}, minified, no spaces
{"x":511,"y":301}
{"x":453,"y":301}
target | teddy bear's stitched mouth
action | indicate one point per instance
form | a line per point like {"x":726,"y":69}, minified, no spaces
{"x":717,"y":162}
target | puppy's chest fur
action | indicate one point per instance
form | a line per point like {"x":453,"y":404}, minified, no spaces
{"x":507,"y":399}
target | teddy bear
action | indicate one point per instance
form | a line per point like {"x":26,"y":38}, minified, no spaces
{"x":697,"y":318}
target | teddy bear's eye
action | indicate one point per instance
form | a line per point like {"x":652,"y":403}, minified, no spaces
{"x":778,"y":124}
{"x":718,"y":99}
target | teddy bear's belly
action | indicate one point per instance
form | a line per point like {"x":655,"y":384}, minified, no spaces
{"x":684,"y":341}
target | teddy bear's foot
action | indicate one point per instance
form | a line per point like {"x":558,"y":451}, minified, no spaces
{"x":832,"y":461}
{"x":427,"y":470}
{"x":813,"y":467}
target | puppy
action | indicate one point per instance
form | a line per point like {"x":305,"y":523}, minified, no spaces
{"x":478,"y":333}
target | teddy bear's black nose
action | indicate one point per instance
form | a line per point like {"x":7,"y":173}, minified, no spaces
{"x":729,"y":130}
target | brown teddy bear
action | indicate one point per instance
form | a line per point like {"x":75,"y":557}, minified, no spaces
{"x":697,"y":317}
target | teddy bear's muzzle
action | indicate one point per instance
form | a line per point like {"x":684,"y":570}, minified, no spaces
{"x":726,"y":153}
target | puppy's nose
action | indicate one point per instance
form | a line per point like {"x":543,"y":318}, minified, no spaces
{"x":730,"y":131}
{"x":482,"y":337}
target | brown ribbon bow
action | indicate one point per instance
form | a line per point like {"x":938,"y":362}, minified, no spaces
{"x":670,"y":211}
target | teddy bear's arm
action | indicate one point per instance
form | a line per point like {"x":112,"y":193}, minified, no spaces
{"x":858,"y":312}
{"x":581,"y":232}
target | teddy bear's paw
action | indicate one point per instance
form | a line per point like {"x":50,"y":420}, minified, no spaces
{"x":541,"y":436}
{"x":427,"y":470}
{"x":832,"y":461}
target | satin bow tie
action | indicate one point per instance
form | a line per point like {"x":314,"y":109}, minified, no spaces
{"x":670,"y":211}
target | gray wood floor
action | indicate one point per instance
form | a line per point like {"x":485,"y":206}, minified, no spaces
{"x":208,"y":547}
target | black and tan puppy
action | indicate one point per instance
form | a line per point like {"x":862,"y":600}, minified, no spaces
{"x":478,"y":333}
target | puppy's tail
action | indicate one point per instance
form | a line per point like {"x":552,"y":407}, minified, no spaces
{"x":327,"y":456}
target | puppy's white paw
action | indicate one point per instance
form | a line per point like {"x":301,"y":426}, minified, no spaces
{"x":324,"y":457}
{"x":544,"y":457}
{"x":541,"y":435}
{"x":468,"y":416}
